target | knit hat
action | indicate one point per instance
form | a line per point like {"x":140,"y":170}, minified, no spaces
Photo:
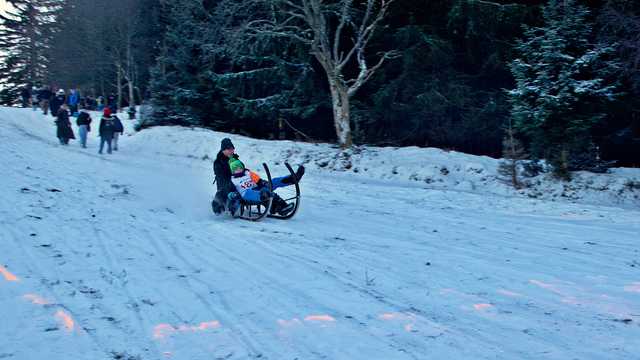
{"x":60,"y":92}
{"x":226,"y":144}
{"x":235,"y":164}
{"x":107,"y":112}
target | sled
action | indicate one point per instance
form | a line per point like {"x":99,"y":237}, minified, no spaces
{"x":256,"y":211}
{"x":291,"y":198}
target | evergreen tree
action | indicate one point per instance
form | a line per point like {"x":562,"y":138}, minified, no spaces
{"x":563,"y":84}
{"x":512,"y":152}
{"x":208,"y":74}
{"x":25,"y":34}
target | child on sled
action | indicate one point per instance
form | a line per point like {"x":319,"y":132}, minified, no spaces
{"x":251,"y":188}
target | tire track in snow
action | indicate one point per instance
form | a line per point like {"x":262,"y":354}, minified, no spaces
{"x":115,"y":265}
{"x":220,"y":297}
{"x":284,"y":293}
{"x":224,"y":317}
{"x":33,"y":268}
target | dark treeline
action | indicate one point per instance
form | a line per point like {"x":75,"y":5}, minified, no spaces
{"x":553,"y":79}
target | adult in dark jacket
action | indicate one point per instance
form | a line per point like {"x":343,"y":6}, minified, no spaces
{"x":225,"y":185}
{"x":63,"y":124}
{"x":57,"y":101}
{"x":44,"y":97}
{"x":84,"y":126}
{"x":107,"y":128}
{"x":117,"y":131}
{"x":112,"y":102}
{"x":223,"y":175}
{"x":25,"y":94}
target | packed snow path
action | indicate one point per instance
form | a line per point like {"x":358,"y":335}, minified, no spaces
{"x":119,"y":257}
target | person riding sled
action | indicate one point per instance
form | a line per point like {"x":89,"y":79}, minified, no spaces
{"x":223,"y":177}
{"x":252,"y":189}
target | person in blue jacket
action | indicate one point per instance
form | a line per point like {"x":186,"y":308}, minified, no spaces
{"x":72,"y":101}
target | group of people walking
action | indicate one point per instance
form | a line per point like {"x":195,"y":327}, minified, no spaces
{"x":109,"y":130}
{"x":47,"y":100}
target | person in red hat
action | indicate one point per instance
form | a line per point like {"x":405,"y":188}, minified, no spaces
{"x":107,"y":129}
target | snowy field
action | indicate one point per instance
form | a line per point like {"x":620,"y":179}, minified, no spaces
{"x":390,"y":257}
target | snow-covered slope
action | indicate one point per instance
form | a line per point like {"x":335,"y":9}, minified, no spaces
{"x":119,"y":257}
{"x":428,"y":168}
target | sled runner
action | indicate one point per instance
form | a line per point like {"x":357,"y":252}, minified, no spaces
{"x":292,"y":197}
{"x":256,"y":211}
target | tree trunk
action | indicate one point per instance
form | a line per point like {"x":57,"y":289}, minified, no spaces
{"x":131,"y":93}
{"x":119,"y":101}
{"x":341,"y":113}
{"x":130,"y":68}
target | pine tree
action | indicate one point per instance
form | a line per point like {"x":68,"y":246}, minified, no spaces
{"x":513,"y":152}
{"x":209,"y":74}
{"x":25,"y":32}
{"x":563,"y":84}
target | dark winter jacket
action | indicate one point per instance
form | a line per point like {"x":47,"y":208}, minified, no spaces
{"x":63,"y":124}
{"x":25,"y":93}
{"x":56,"y":102}
{"x":118,"y":127}
{"x":84,"y":119}
{"x":44,"y":94}
{"x":222,"y":172}
{"x":107,"y":128}
{"x":111,"y":103}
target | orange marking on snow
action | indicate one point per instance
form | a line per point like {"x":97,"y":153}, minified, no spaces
{"x":389,"y":316}
{"x":36,"y":299}
{"x":408,"y":319}
{"x":319,"y":318}
{"x":396,"y":316}
{"x":570,"y":300}
{"x":161,"y":331}
{"x":546,"y":286}
{"x":481,"y":307}
{"x":167,"y":354}
{"x":7,"y":275}
{"x":509,"y":293}
{"x":633,"y":287}
{"x":208,"y":325}
{"x":65,"y":319}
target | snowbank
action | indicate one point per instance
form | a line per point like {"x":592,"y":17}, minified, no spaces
{"x":427,"y":167}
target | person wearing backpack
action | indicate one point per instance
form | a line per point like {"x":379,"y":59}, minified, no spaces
{"x":84,"y":126}
{"x":107,"y":128}
{"x":117,"y":131}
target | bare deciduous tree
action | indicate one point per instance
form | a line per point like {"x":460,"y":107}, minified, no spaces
{"x":324,"y":26}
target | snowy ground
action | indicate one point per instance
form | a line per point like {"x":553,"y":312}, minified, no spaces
{"x":119,"y":257}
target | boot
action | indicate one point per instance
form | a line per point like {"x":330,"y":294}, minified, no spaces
{"x":286,"y":209}
{"x":277,"y":204}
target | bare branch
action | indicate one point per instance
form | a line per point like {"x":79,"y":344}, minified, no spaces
{"x":365,"y":74}
{"x":344,"y":15}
